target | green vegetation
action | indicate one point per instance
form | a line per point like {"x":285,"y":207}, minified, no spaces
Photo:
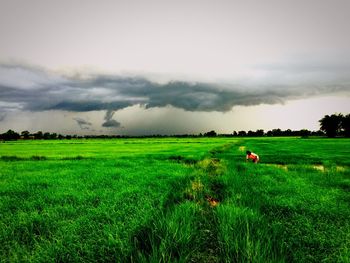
{"x":175,"y":200}
{"x":335,"y":125}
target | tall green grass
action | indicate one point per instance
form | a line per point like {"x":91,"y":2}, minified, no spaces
{"x":290,"y":213}
{"x":175,"y":200}
{"x":80,"y":210}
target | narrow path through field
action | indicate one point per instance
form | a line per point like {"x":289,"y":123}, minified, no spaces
{"x":187,"y":228}
{"x":209,"y":170}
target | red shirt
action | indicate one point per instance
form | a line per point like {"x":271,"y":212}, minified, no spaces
{"x":252,"y":156}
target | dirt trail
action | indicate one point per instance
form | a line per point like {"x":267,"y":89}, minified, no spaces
{"x":210,"y":169}
{"x":204,"y":190}
{"x":318,"y":167}
{"x":280,"y":166}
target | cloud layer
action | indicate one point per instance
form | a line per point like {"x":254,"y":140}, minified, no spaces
{"x":109,"y":122}
{"x":83,"y":124}
{"x":27,"y":88}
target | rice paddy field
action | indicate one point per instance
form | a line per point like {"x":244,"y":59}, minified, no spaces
{"x":175,"y":200}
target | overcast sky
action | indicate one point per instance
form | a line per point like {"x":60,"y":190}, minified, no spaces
{"x":170,"y":67}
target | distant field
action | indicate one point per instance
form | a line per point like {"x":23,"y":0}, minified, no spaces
{"x":175,"y":200}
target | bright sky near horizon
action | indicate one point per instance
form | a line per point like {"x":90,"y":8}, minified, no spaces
{"x":171,"y":67}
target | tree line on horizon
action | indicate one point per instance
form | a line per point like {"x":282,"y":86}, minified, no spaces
{"x":330,"y":125}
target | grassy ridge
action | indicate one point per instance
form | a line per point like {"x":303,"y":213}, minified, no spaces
{"x":175,"y":200}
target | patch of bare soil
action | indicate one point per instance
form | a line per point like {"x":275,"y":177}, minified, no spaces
{"x":341,"y":168}
{"x":241,"y":148}
{"x":319,"y":167}
{"x":213,"y":201}
{"x":280,"y":166}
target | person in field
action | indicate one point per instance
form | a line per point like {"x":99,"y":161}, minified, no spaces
{"x":252,"y":156}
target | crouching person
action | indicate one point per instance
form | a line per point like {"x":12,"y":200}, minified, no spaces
{"x":252,"y":156}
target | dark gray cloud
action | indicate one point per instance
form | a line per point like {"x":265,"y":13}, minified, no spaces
{"x":109,"y":115}
{"x":35,"y":89}
{"x":83,"y":124}
{"x":109,"y":122}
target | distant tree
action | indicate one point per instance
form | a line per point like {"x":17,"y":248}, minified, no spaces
{"x":304,"y":133}
{"x":331,"y":125}
{"x":269,"y":133}
{"x":46,"y":136}
{"x":259,"y":133}
{"x":317,"y":133}
{"x":10,"y":135}
{"x":288,"y":132}
{"x":210,"y":134}
{"x":53,"y":136}
{"x":277,"y":132}
{"x":242,"y":133}
{"x":345,"y":125}
{"x":234,"y":133}
{"x":25,"y":134}
{"x":250,"y":133}
{"x":38,"y":135}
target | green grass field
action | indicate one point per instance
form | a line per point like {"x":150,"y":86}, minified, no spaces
{"x":175,"y":200}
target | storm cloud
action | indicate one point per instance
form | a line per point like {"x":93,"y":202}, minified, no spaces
{"x":109,"y":122}
{"x":83,"y":124}
{"x":27,"y":88}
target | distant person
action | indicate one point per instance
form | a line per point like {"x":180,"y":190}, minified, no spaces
{"x":252,"y":156}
